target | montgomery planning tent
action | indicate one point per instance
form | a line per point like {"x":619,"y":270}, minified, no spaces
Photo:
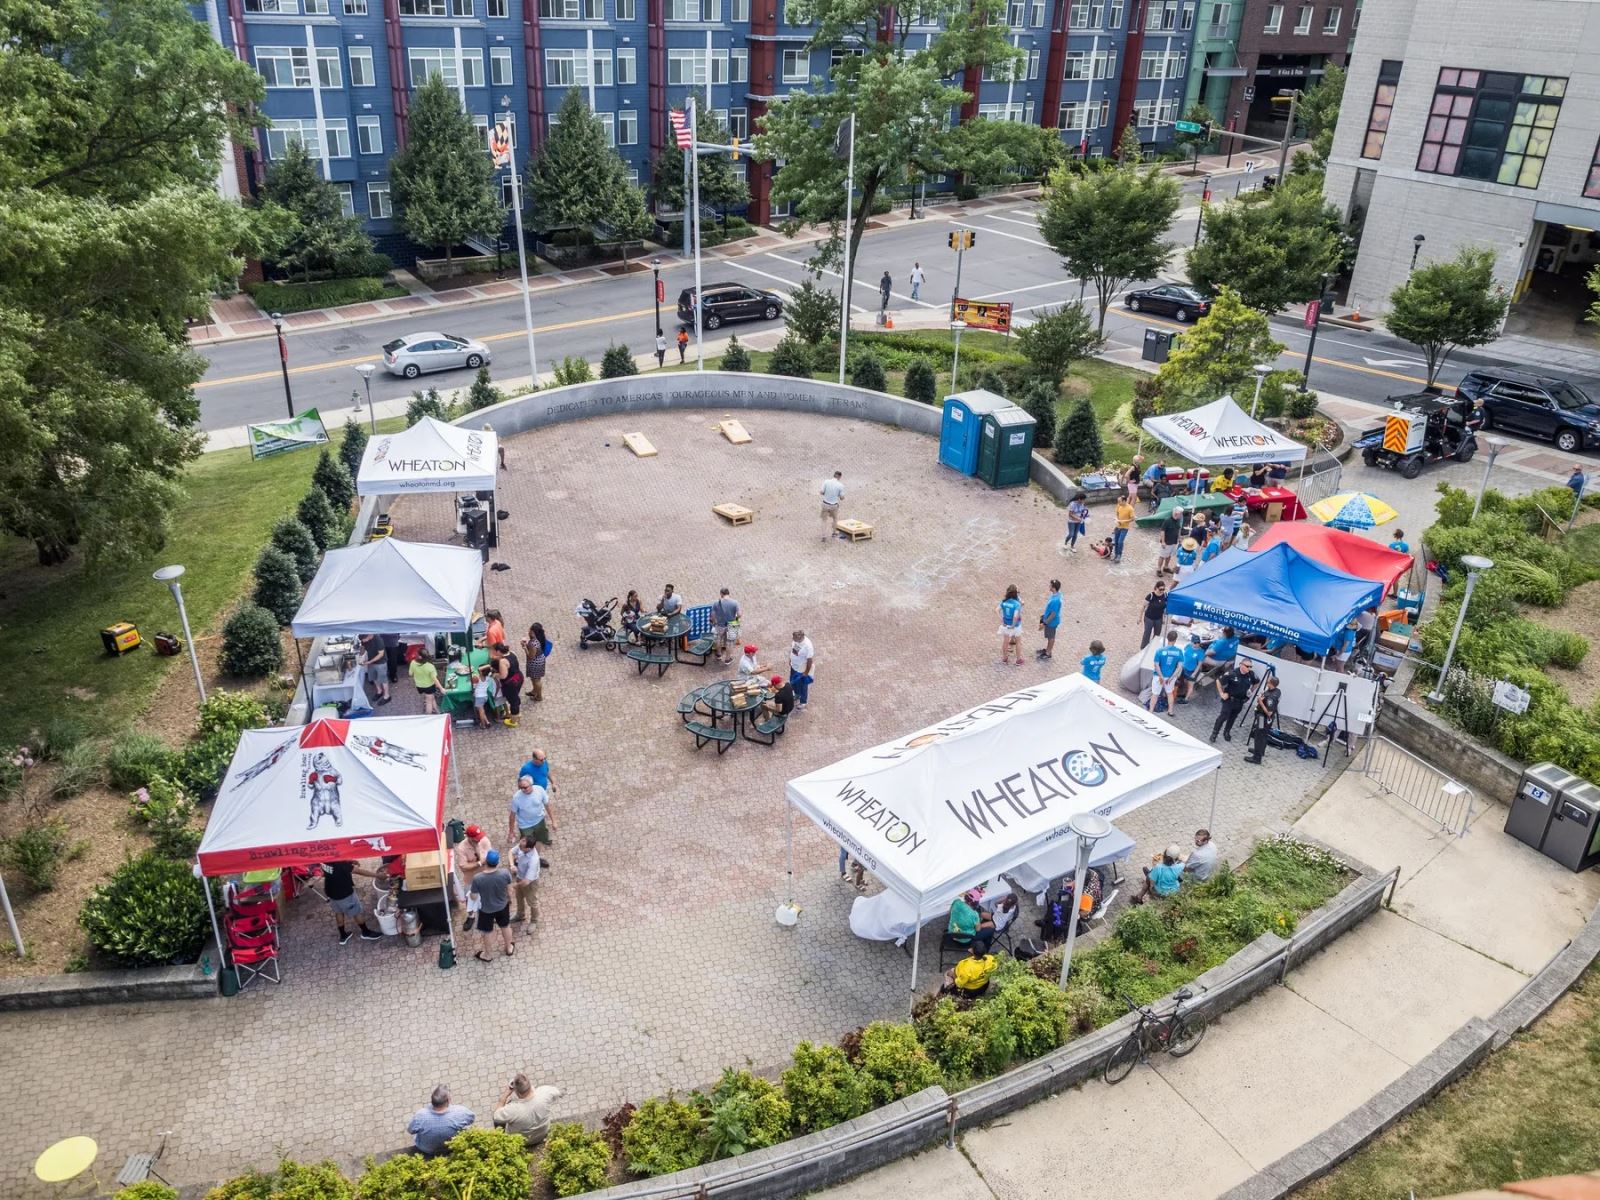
{"x":1221,"y":432}
{"x":1346,"y":552}
{"x":974,"y":795}
{"x":1278,"y":592}
{"x":390,"y":586}
{"x":429,"y":457}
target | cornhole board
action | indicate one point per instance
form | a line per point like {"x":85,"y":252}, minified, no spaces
{"x":735,"y":514}
{"x":639,"y":444}
{"x":734,"y":431}
{"x":855,"y":530}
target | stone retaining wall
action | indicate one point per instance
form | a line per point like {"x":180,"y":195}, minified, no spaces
{"x":1486,"y":771}
{"x":106,"y":987}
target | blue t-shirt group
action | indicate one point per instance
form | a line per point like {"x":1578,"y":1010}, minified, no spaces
{"x":1011,"y":613}
{"x":1092,"y":665}
{"x":1168,"y":660}
{"x":1052,"y":611}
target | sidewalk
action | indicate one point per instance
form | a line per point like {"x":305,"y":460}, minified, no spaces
{"x":1473,"y":917}
{"x":238,"y":317}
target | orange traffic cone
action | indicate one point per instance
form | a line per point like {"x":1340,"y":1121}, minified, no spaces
{"x":888,"y":322}
{"x":1355,"y":313}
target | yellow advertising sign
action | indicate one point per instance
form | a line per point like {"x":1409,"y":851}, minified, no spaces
{"x":982,"y":314}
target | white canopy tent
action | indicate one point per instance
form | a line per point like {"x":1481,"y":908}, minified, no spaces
{"x":390,"y":586}
{"x":1222,"y":433}
{"x":429,"y":457}
{"x":975,"y":795}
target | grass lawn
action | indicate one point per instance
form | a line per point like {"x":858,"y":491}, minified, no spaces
{"x":1530,"y":1111}
{"x":52,"y":616}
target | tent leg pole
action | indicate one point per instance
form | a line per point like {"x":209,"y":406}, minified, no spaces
{"x":449,"y":878}
{"x":301,"y":681}
{"x":788,"y":847}
{"x":916,"y":957}
{"x":455,"y":779}
{"x":216,"y":928}
{"x":1216,"y":783}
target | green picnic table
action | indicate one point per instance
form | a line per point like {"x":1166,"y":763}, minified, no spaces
{"x":1205,"y":502}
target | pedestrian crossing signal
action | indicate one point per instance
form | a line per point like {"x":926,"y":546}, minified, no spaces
{"x":962,"y":239}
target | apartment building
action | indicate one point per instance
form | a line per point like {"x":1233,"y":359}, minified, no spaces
{"x":1475,"y":122}
{"x":340,"y":73}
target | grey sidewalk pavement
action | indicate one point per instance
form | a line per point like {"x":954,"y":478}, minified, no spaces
{"x":1472,"y":918}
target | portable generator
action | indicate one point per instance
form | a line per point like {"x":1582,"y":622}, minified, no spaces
{"x":120,"y":638}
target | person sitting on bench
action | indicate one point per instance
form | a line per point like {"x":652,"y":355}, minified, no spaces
{"x":970,"y":925}
{"x":969,"y":978}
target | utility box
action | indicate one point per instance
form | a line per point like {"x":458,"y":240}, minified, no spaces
{"x":961,"y":430}
{"x":1005,"y":451}
{"x":1157,"y":345}
{"x":1573,"y":836}
{"x":1537,"y":792}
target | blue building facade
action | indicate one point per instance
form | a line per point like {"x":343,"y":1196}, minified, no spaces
{"x":339,"y":74}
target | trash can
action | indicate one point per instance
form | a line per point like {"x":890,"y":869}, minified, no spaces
{"x":960,"y":431}
{"x":1157,"y":345}
{"x":1536,"y":796}
{"x":1573,"y":837}
{"x":1005,"y":450}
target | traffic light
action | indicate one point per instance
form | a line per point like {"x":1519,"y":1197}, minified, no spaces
{"x":735,"y":144}
{"x":962,"y":239}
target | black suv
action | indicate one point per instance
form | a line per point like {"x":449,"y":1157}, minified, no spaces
{"x":1536,"y":404}
{"x":730,"y":302}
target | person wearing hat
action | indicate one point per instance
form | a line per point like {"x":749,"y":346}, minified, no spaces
{"x":470,"y":856}
{"x":492,"y":887}
{"x":1164,"y":876}
{"x":1233,"y":689}
{"x":1193,"y":655}
{"x":749,"y":668}
{"x":781,"y":702}
{"x":1188,"y":556}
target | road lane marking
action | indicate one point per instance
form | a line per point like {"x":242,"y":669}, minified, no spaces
{"x":1010,"y":220}
{"x":1031,"y":288}
{"x":858,"y":283}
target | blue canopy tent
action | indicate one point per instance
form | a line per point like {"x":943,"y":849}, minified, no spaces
{"x":1277,"y":592}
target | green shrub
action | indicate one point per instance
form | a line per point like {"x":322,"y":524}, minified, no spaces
{"x":921,"y":383}
{"x":403,"y":1177}
{"x":744,"y":1112}
{"x":574,"y":1160}
{"x":251,"y":646}
{"x":317,"y":515}
{"x":1077,"y":443}
{"x":330,"y":293}
{"x":617,"y":362}
{"x":664,"y":1135}
{"x":277,"y":584}
{"x":484,"y":1164}
{"x":1245,"y":916}
{"x":291,"y":1181}
{"x":78,"y":770}
{"x":137,"y":758}
{"x":1568,"y":649}
{"x":252,"y":1185}
{"x":482,"y":393}
{"x":152,"y":911}
{"x":168,"y":817}
{"x":867,"y":372}
{"x":1290,"y":872}
{"x":353,"y":447}
{"x":823,"y":1088}
{"x":427,"y":404}
{"x":1037,"y":1009}
{"x":148,"y":1190}
{"x":333,"y":479}
{"x":791,"y":357}
{"x":1302,"y":404}
{"x":205,"y":761}
{"x":735,"y":357}
{"x":893,"y":1063}
{"x":231,"y":712}
{"x":968,"y":1042}
{"x":36,"y":852}
{"x":1142,"y":930}
{"x":295,"y":540}
{"x":990,"y":380}
{"x":573,"y":369}
{"x":811,"y":314}
{"x":59,"y":736}
{"x":1039,"y":401}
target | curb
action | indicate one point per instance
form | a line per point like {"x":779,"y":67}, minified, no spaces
{"x":85,"y":988}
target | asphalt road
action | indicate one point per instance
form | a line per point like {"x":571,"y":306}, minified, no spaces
{"x":1009,"y":262}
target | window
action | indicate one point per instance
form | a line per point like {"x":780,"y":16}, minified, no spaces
{"x":288,"y":7}
{"x":369,"y":135}
{"x":500,"y":66}
{"x":627,"y":69}
{"x":572,"y":10}
{"x":361,"y":66}
{"x":1219,"y":20}
{"x":1084,"y":117}
{"x":507,"y":196}
{"x":1161,"y":14}
{"x":461,"y":8}
{"x":378,"y":201}
{"x":1033,"y":64}
{"x":740,"y":65}
{"x":496,"y":8}
{"x":609,"y":120}
{"x":1274,"y":19}
{"x":566,"y":68}
{"x":1162,"y":64}
{"x":338,"y":136}
{"x":1016,"y":13}
{"x":290,"y":66}
{"x":347,"y":200}
{"x":796,"y":66}
{"x":355,"y":8}
{"x":285,"y":130}
{"x":1014,"y":112}
{"x":686,"y":68}
{"x":739,"y":124}
{"x":1591,"y":188}
{"x":425,"y":63}
{"x":328,"y":73}
{"x":1153,"y":112}
{"x":1330,"y":21}
{"x":627,"y":127}
{"x":627,"y":10}
{"x":1302,"y":20}
{"x":472,"y":67}
{"x":1491,"y":125}
{"x":1186,"y":17}
{"x":1078,"y":64}
{"x":422,"y":8}
{"x":719,"y":66}
{"x":1382,"y":108}
{"x":1036,"y":13}
{"x":602,"y":68}
{"x":739,"y":11}
{"x":1114,"y":15}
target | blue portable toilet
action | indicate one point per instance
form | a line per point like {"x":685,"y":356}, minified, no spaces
{"x":961,"y":431}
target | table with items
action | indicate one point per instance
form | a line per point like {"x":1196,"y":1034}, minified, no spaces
{"x":735,"y":699}
{"x":455,"y":684}
{"x":657,"y":636}
{"x":1260,"y":499}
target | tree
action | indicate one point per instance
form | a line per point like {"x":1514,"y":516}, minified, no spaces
{"x":317,"y":515}
{"x":812,"y":313}
{"x":990,"y":380}
{"x":867,"y":372}
{"x":443,"y":180}
{"x":353,"y":447}
{"x":427,"y":404}
{"x":1130,"y":151}
{"x":112,"y":117}
{"x":791,"y":357}
{"x":334,"y":481}
{"x":1078,"y":443}
{"x":251,"y":645}
{"x":295,"y":540}
{"x":1319,"y":111}
{"x":319,"y":237}
{"x":1218,"y":356}
{"x":617,"y":362}
{"x":1200,"y":115}
{"x":1039,"y":401}
{"x":1109,"y":226}
{"x":572,"y":369}
{"x":922,"y":385}
{"x":483,"y":393}
{"x":1446,"y":305}
{"x":735,"y":357}
{"x":1001,"y":152}
{"x":277,"y":584}
{"x":1273,"y":250}
{"x":722,"y":183}
{"x":894,"y":84}
{"x":577,"y":180}
{"x":1055,"y":340}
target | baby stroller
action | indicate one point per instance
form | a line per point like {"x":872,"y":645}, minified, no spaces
{"x":596,"y":629}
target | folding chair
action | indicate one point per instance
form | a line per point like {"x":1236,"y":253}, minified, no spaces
{"x":141,"y":1167}
{"x":255,"y":962}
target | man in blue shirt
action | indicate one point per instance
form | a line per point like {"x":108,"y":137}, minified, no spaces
{"x":1343,"y":643}
{"x":537,"y":768}
{"x":1095,"y":661}
{"x":1164,"y":878}
{"x":1577,"y":481}
{"x":1399,"y":543}
{"x":1168,"y":666}
{"x":1050,"y":621}
{"x":432,"y":1128}
{"x":1221,"y":653}
{"x":1193,"y":655}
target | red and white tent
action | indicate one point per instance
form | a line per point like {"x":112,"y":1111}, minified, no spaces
{"x":330,"y":791}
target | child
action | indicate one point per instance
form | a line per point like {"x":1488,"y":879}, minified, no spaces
{"x":482,"y":690}
{"x":1094,"y":662}
{"x":1105,"y":547}
{"x":1242,"y":538}
{"x":1399,"y":544}
{"x":1188,"y":557}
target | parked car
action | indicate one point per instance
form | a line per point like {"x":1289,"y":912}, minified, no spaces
{"x":730,"y":302}
{"x":418,"y":353}
{"x":1169,"y":299}
{"x":1537,"y":404}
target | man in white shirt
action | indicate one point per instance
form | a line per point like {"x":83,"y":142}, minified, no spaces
{"x":525,"y":882}
{"x":1201,"y":862}
{"x":917,"y":278}
{"x":832,"y":494}
{"x":525,"y":1109}
{"x":749,"y":667}
{"x":802,"y":657}
{"x":670,"y":604}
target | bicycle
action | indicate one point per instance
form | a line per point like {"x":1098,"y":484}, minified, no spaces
{"x":1177,"y":1033}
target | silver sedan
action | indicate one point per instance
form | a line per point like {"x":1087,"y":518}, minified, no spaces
{"x":418,"y":353}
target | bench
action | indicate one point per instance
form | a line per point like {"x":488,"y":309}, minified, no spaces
{"x":689,"y":705}
{"x":699,"y":649}
{"x":735,"y":514}
{"x":646,"y":659}
{"x":704,"y":733}
{"x":771,"y":727}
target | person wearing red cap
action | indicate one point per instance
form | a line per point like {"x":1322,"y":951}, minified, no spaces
{"x":781,"y":702}
{"x":471,"y":854}
{"x":749,"y":668}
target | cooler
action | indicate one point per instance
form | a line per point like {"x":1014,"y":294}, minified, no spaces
{"x":960,"y":431}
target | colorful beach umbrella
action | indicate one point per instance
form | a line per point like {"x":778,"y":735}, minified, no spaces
{"x":1352,"y":510}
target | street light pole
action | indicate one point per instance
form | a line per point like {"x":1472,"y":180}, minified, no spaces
{"x":365,"y":371}
{"x":1316,"y":323}
{"x":1495,"y":445}
{"x":1416,"y":249}
{"x":1089,"y":829}
{"x":170,"y":576}
{"x":522,"y":253}
{"x":955,"y":363}
{"x":283,"y":361}
{"x":1475,"y":565}
{"x":655,"y":269}
{"x":1262,"y":370}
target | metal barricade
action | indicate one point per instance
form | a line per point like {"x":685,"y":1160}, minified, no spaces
{"x":1403,"y":775}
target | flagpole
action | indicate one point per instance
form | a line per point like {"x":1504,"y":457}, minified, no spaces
{"x":522,"y":253}
{"x":694,"y":173}
{"x":849,"y":193}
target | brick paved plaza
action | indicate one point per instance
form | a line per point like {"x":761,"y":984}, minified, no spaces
{"x":658,"y":961}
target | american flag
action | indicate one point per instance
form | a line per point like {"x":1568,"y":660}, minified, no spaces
{"x":680,"y":126}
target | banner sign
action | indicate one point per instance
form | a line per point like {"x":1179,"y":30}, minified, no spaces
{"x":983,"y":314}
{"x":274,"y":437}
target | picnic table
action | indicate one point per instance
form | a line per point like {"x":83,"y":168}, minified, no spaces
{"x":1204,"y":502}
{"x":719,"y":699}
{"x":1257,"y":500}
{"x":655,"y":647}
{"x":455,"y":685}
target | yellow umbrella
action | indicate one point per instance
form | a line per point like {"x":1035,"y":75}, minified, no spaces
{"x":1352,"y":510}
